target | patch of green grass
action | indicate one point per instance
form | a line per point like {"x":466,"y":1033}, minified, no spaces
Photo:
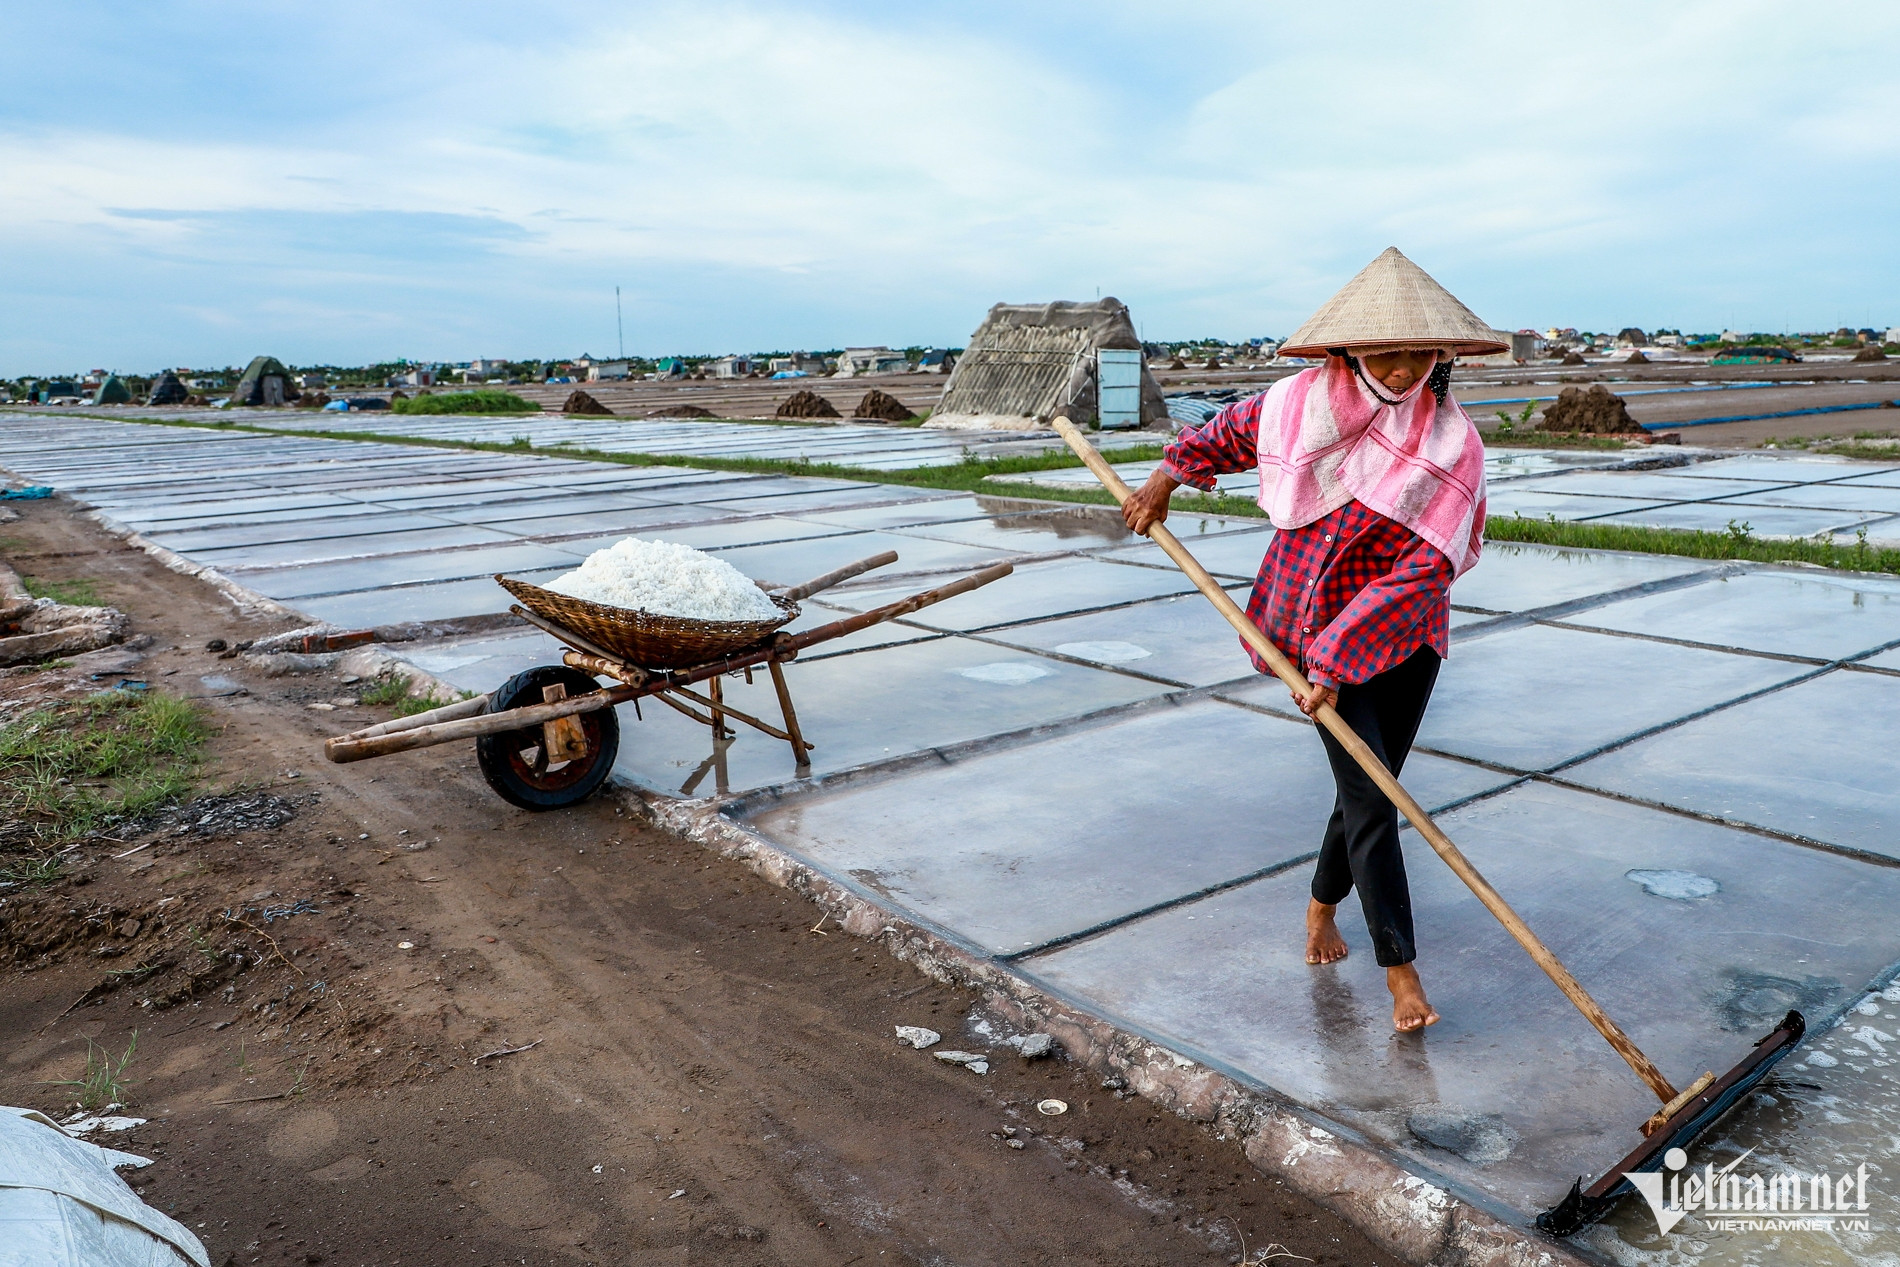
{"x":387,"y":689}
{"x":1512,"y":437}
{"x":104,"y":1081}
{"x":487,"y":401}
{"x":74,"y":767}
{"x":79,"y":593}
{"x":1737,"y":542}
{"x":410,"y":705}
{"x":33,"y":872}
{"x":392,"y":691}
{"x":972,"y":475}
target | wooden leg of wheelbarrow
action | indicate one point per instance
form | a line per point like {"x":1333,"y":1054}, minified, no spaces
{"x":718,"y":694}
{"x":562,"y":739}
{"x":799,"y":746}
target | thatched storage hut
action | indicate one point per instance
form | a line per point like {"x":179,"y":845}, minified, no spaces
{"x":1029,"y":362}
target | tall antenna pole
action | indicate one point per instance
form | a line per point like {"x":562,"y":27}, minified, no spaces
{"x":619,"y":328}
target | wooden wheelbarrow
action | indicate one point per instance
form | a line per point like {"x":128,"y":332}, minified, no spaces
{"x":548,"y":736}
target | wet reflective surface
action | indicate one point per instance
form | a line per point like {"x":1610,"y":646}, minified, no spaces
{"x":1040,"y":768}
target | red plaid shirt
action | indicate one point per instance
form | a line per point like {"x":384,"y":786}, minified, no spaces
{"x":1346,"y":597}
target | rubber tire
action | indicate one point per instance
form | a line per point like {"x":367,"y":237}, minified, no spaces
{"x":499,"y":755}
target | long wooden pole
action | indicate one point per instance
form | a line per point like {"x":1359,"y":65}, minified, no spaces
{"x":1348,"y":739}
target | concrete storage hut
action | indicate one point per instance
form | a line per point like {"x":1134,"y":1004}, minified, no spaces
{"x":265,"y":382}
{"x":1029,"y":362}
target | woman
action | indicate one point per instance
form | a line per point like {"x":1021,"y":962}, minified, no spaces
{"x":1375,"y":479}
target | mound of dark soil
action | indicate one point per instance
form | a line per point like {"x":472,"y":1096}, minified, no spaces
{"x":1871,"y":353}
{"x":1574,"y":358}
{"x":682,"y":411}
{"x":1597,"y":411}
{"x":313,"y":400}
{"x":807,"y":404}
{"x":579,"y":402}
{"x":1177,"y":364}
{"x":1637,"y":358}
{"x":1213,"y":363}
{"x":883,"y":406}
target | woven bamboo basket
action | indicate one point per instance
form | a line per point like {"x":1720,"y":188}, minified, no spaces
{"x":644,"y":639}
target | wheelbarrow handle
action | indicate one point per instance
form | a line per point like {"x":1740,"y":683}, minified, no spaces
{"x":799,"y":593}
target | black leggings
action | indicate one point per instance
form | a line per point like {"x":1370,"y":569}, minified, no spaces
{"x":1362,"y":838}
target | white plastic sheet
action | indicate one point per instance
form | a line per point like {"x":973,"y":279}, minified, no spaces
{"x":62,"y":1205}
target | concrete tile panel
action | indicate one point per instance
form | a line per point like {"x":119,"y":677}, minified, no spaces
{"x":289,"y":584}
{"x":1763,"y":521}
{"x":1235,"y":554}
{"x":1530,"y":698}
{"x":1513,"y":578}
{"x":352,"y":547}
{"x":1828,"y":616}
{"x":1815,"y":760}
{"x":1886,"y":477}
{"x":791,"y":562}
{"x":1695,"y":982}
{"x":1026,"y":844}
{"x":444,"y":601}
{"x":1645,"y":485}
{"x":1790,"y":469}
{"x":1180,"y":638}
{"x":939,"y":509}
{"x":1531,"y":503}
{"x":1036,"y":590}
{"x":247,"y":532}
{"x":1850,"y":495}
{"x":871,"y":706}
{"x":803,"y":503}
{"x":1032,"y":534}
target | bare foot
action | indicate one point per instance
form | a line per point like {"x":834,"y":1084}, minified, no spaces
{"x":1410,"y":1011}
{"x":1323,"y":942}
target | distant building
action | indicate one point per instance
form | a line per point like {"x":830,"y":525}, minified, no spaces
{"x":312,"y":381}
{"x":603,"y":371}
{"x":1734,"y":336}
{"x":417,"y":377}
{"x":731,"y":367}
{"x":1631,"y":337}
{"x":669,"y":367}
{"x":482,"y":366}
{"x":1893,"y":335}
{"x":855,"y":362}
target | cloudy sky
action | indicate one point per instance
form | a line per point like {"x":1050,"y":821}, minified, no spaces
{"x":196,"y":183}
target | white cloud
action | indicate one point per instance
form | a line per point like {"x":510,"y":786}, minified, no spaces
{"x":777,"y":176}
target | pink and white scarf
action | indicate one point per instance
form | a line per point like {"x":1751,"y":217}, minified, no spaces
{"x":1326,"y":439}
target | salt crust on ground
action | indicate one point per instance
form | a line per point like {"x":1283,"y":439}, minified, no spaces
{"x":666,"y":579}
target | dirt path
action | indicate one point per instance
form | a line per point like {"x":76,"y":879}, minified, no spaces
{"x":710,"y":1080}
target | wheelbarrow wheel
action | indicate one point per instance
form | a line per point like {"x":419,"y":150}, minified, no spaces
{"x":515,"y":762}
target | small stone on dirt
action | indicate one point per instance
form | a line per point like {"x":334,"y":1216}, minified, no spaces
{"x":917,"y":1036}
{"x":1035,"y":1046}
{"x":129,"y":928}
{"x":955,"y":1057}
{"x":736,"y":1232}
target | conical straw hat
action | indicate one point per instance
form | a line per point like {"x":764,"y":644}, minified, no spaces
{"x":1393,"y":303}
